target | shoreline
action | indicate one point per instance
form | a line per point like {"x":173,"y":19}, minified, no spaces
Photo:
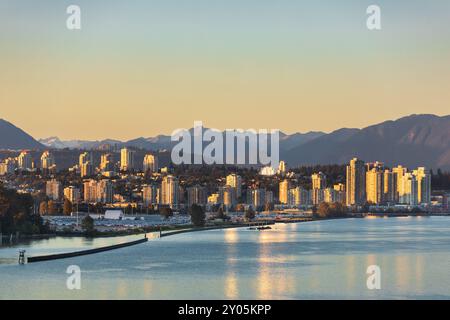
{"x":179,"y":229}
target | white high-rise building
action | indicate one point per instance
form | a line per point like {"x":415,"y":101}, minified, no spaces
{"x":87,"y":169}
{"x":423,"y":178}
{"x":227,"y":195}
{"x":8,"y":166}
{"x":299,"y":197}
{"x":398,"y":173}
{"x":356,"y":183}
{"x":47,"y":161}
{"x":150,"y":163}
{"x":85,"y":157}
{"x":105,"y":191}
{"x":235,"y":181}
{"x":53,"y":189}
{"x":196,"y":195}
{"x":284,"y":192}
{"x":72,"y":194}
{"x":170,"y":191}
{"x":106,"y":162}
{"x":24,"y":161}
{"x":150,"y":195}
{"x":101,"y":191}
{"x":127,"y":159}
{"x":408,"y":192}
{"x":375,"y":186}
{"x":258,"y":198}
{"x":319,"y":181}
{"x":282,"y":167}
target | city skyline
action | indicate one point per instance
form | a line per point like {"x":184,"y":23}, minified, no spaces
{"x":163,"y":65}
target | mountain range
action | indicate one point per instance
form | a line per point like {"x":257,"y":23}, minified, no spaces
{"x":415,"y":140}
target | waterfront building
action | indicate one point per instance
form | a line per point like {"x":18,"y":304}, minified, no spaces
{"x":317,"y":196}
{"x":72,"y":194}
{"x":214,"y":199}
{"x":319,"y":181}
{"x":299,"y":197}
{"x":105,"y":191}
{"x":53,"y":189}
{"x":196,"y":195}
{"x":235,"y":181}
{"x":150,"y":194}
{"x":269,"y":197}
{"x":398,"y":173}
{"x":101,"y":191}
{"x":283,"y":196}
{"x":356,"y":183}
{"x":389,"y":187}
{"x":375,"y":185}
{"x":170,"y":191}
{"x":408,"y":189}
{"x":423,"y":178}
{"x":127,"y":159}
{"x":90,"y":191}
{"x":227,"y":196}
{"x":150,"y":163}
{"x":339,"y":192}
{"x":257,"y":198}
{"x":330,"y":195}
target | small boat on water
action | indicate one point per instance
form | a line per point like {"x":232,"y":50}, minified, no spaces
{"x":260,"y":228}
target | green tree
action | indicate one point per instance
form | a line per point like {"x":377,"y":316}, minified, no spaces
{"x":166,"y":212}
{"x":16,"y":213}
{"x":198,"y":216}
{"x":87,"y":224}
{"x":249,"y":214}
{"x":220,"y":214}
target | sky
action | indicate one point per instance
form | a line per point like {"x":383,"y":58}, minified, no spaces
{"x":147,"y":67}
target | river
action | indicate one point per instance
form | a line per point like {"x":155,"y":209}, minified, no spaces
{"x":312,"y":260}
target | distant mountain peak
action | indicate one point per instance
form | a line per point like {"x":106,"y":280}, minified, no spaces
{"x":14,"y":138}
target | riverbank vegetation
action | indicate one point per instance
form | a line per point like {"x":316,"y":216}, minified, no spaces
{"x":16,"y":214}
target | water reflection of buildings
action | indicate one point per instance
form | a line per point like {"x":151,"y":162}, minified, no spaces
{"x":273,"y":281}
{"x":231,"y":289}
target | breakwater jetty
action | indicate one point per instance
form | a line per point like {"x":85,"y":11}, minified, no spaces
{"x":84,"y":252}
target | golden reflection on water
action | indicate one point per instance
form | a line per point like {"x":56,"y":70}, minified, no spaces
{"x":350,"y":266}
{"x":231,"y":236}
{"x":147,"y":286}
{"x":231,"y":290}
{"x":122,"y":289}
{"x":419,"y":265}
{"x":402,"y":271}
{"x":272,"y":282}
{"x":231,"y":286}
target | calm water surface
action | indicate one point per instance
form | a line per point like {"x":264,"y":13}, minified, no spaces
{"x":326,"y":260}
